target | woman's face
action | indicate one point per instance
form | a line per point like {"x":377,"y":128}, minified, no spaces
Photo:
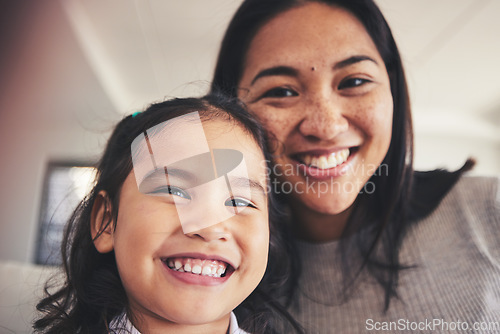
{"x":314,"y":77}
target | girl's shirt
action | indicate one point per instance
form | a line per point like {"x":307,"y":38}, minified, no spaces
{"x":122,"y":325}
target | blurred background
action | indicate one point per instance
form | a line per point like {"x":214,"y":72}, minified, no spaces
{"x":70,"y":69}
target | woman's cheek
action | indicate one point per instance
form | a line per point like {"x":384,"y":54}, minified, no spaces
{"x":375,"y":115}
{"x":277,"y":120}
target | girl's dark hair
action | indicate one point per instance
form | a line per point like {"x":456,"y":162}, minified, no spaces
{"x":401,"y":195}
{"x":92,"y":294}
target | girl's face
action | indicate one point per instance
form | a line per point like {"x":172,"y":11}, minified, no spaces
{"x":314,"y":77}
{"x":175,"y":279}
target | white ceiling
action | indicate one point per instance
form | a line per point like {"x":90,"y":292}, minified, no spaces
{"x":128,"y":53}
{"x":146,"y":50}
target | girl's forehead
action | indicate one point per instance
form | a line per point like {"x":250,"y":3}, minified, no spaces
{"x":194,"y":144}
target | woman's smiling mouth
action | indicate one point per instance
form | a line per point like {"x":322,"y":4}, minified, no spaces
{"x":325,"y":161}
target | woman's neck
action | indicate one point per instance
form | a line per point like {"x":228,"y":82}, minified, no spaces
{"x":317,"y":227}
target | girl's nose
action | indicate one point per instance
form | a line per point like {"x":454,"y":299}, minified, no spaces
{"x":323,"y":119}
{"x":216,"y":232}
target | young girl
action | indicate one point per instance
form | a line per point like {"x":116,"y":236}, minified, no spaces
{"x":175,"y":233}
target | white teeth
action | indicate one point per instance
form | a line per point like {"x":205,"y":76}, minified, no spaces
{"x":332,"y":161}
{"x":307,"y":159}
{"x":206,"y":271}
{"x":323,"y":162}
{"x":326,"y":161}
{"x":220,"y":271}
{"x":198,"y":267}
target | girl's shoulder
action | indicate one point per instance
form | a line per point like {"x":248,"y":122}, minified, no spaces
{"x":122,"y":325}
{"x":233,"y":326}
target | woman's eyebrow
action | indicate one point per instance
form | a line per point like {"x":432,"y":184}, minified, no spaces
{"x":352,"y":60}
{"x":292,"y":72}
{"x":278,"y":70}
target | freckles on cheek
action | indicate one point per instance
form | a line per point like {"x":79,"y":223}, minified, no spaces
{"x":276,"y":124}
{"x":375,"y":115}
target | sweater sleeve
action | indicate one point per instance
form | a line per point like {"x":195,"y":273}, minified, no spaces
{"x":481,"y":198}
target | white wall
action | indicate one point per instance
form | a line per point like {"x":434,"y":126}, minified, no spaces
{"x":51,"y":107}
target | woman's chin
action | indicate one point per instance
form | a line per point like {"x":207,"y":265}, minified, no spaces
{"x":326,"y":204}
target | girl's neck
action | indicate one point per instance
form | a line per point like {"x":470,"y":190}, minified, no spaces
{"x":317,"y":227}
{"x":157,"y":326}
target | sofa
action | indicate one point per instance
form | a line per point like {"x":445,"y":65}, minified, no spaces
{"x":21,"y":287}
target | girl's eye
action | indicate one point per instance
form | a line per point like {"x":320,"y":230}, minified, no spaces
{"x":171,"y":190}
{"x":280,"y":92}
{"x":352,"y":82}
{"x":239,"y":202}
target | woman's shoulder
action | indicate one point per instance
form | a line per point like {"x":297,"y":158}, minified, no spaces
{"x":478,"y":195}
{"x":472,"y":190}
{"x":429,"y":188}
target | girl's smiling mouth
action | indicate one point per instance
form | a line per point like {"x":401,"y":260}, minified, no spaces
{"x":201,"y":269}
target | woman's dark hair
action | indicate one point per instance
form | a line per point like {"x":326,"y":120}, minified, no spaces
{"x":401,"y":195}
{"x":92,"y":294}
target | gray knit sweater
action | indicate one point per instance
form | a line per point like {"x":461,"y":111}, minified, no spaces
{"x":455,"y":287}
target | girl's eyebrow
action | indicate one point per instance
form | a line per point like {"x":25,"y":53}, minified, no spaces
{"x":292,"y":72}
{"x":165,"y":172}
{"x":243,"y":182}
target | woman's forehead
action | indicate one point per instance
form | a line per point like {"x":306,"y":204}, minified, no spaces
{"x":310,"y":31}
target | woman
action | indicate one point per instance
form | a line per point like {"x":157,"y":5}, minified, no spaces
{"x":381,"y":246}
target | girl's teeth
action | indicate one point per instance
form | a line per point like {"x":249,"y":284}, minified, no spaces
{"x":206,"y":271}
{"x":198,"y":267}
{"x":326,"y":161}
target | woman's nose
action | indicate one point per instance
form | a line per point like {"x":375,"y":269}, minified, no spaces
{"x":324,"y":118}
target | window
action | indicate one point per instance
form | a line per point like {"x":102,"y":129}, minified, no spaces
{"x":64,"y":187}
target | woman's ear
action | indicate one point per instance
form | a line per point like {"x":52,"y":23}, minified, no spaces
{"x":102,"y":223}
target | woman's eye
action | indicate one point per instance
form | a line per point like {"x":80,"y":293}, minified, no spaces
{"x":239,"y":202}
{"x":171,"y":190}
{"x":352,"y":82}
{"x":280,"y":92}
